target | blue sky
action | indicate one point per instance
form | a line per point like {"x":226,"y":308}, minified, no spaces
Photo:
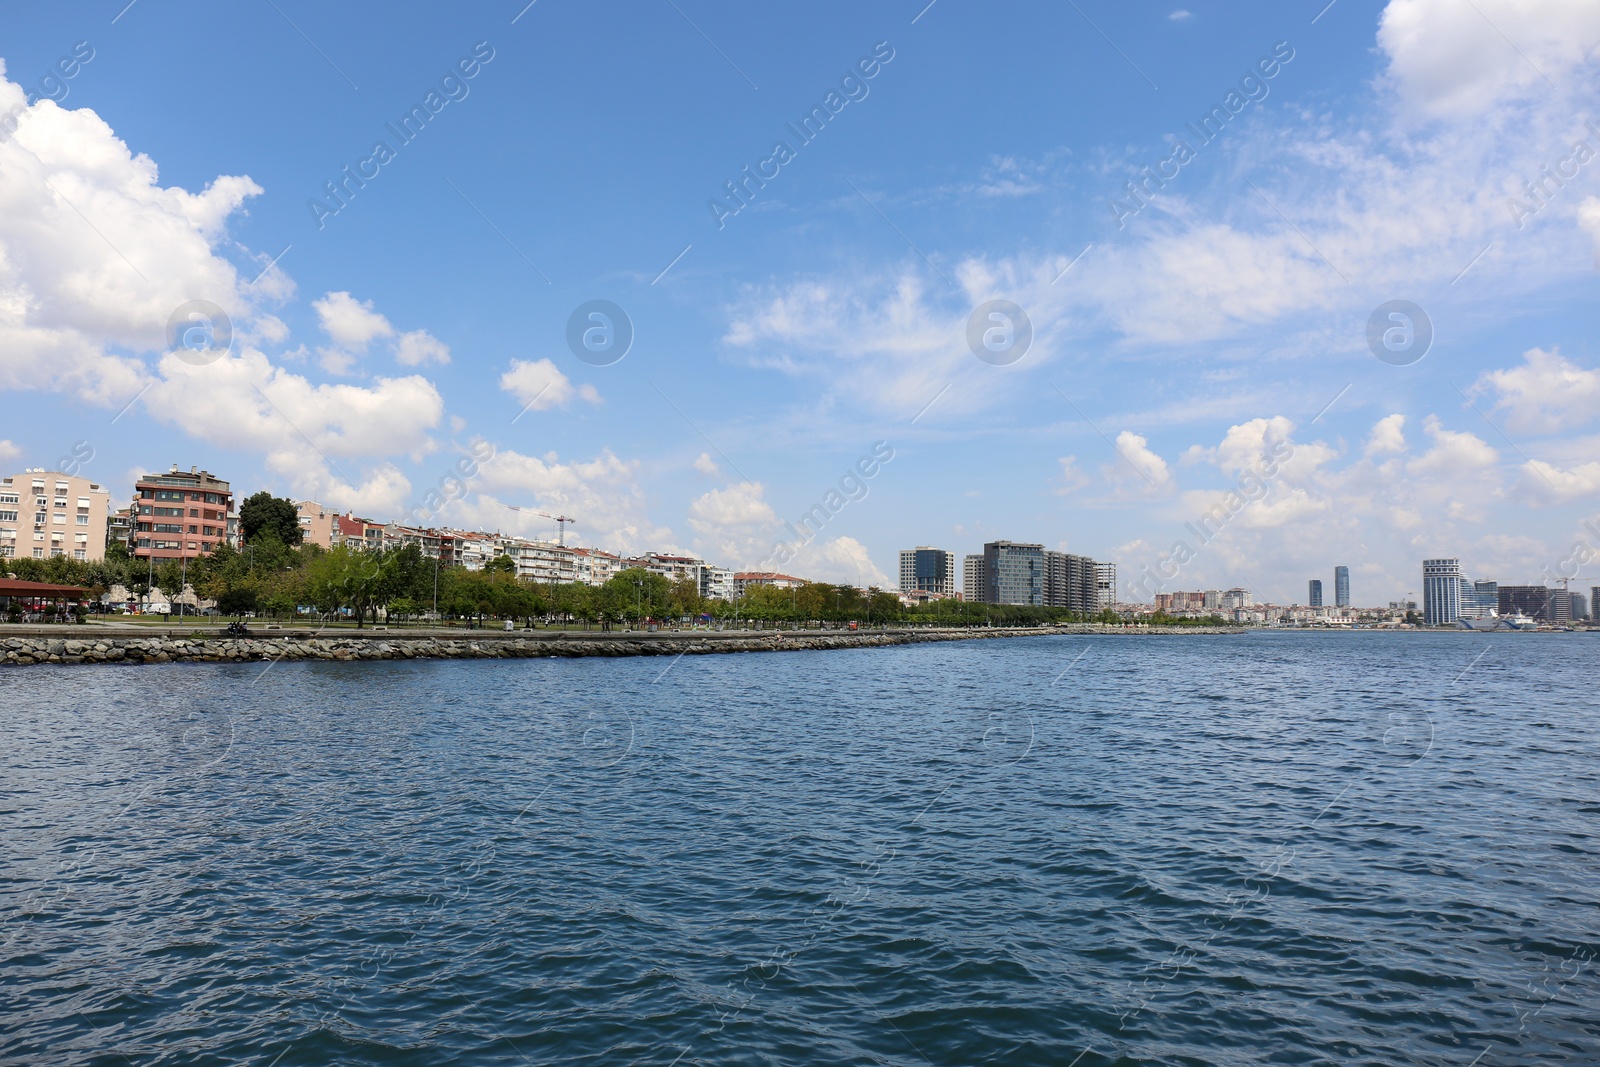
{"x":1226,"y":317}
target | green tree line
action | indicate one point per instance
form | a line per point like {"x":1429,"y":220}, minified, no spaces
{"x":271,"y":578}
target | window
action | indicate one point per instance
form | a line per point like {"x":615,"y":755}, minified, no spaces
{"x":167,"y":527}
{"x":38,"y":553}
{"x":54,"y":552}
{"x":80,"y":553}
{"x":60,"y":519}
{"x":83,"y":520}
{"x":9,"y":498}
{"x":8,"y":551}
{"x":144,"y":509}
{"x":83,"y":503}
{"x":8,"y":516}
{"x":194,"y":513}
{"x":168,"y":511}
{"x":41,"y":502}
{"x":194,"y":529}
{"x":40,"y":517}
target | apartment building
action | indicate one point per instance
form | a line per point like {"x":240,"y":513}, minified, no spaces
{"x":48,"y":513}
{"x":972,"y":586}
{"x":317,"y":523}
{"x":744,"y":581}
{"x":180,"y":514}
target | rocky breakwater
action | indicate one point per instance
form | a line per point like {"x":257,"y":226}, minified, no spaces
{"x":311,"y":645}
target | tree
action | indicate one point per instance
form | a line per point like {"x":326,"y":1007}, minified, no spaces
{"x":263,"y":511}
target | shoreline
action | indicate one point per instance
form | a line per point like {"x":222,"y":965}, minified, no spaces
{"x":133,"y":648}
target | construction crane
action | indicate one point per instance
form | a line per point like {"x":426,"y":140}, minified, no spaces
{"x":561,"y":521}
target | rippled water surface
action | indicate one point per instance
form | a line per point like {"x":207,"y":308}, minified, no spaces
{"x":1269,"y":848}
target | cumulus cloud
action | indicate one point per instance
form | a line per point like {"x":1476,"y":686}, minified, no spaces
{"x":706,"y":465}
{"x":1545,"y":483}
{"x":604,"y":494}
{"x":95,"y":255}
{"x":352,"y":325}
{"x":1388,"y":435}
{"x":8,"y":452}
{"x":417,"y":347}
{"x":1546,"y":394}
{"x":1142,"y":470}
{"x":1454,"y":62}
{"x":736,"y":526}
{"x":539,"y":385}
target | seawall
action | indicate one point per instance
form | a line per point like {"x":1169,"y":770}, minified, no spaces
{"x":90,"y":647}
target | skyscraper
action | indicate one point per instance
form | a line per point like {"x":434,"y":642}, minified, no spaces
{"x":1106,"y":576}
{"x":1441,"y":591}
{"x":1315,"y":592}
{"x":1341,"y":587}
{"x":1071,"y":582}
{"x":931,"y":570}
{"x":1013,"y":573}
{"x":972,"y":587}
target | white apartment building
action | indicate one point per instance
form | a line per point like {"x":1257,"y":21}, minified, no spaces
{"x":47,"y":513}
{"x":716,"y":583}
{"x":595,"y":566}
{"x":543,"y":561}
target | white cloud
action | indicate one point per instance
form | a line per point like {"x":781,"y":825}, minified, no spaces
{"x":706,"y":465}
{"x":245,"y":402}
{"x":604,"y":494}
{"x":352,"y":325}
{"x":95,"y":255}
{"x":1454,"y":455}
{"x":8,"y":452}
{"x":539,"y":385}
{"x":1589,"y":221}
{"x":1149,"y":471}
{"x":1073,"y":477}
{"x":1455,"y":62}
{"x":1546,"y":394}
{"x":841,"y":561}
{"x":1545,"y":483}
{"x":735,"y":526}
{"x":1388,"y":435}
{"x":418,"y":347}
{"x":1181,"y":15}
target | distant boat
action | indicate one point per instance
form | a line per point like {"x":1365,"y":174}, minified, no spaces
{"x":1522,"y":622}
{"x":1493,"y":622}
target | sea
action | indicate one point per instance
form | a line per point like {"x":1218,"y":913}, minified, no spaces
{"x":1260,"y":848}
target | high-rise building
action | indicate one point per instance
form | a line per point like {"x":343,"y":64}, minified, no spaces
{"x":972,"y":582}
{"x":1341,"y":587}
{"x":1441,"y":591}
{"x":47,"y":513}
{"x":1071,"y":582}
{"x":1530,"y":600}
{"x":1580,"y":607}
{"x":1106,"y":579}
{"x":1013,"y":573}
{"x":932,"y":570}
{"x":179,"y":515}
{"x":1594,"y":602}
{"x":1314,"y":593}
{"x":1480,"y":599}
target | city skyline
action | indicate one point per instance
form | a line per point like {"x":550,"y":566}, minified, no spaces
{"x":182,"y":298}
